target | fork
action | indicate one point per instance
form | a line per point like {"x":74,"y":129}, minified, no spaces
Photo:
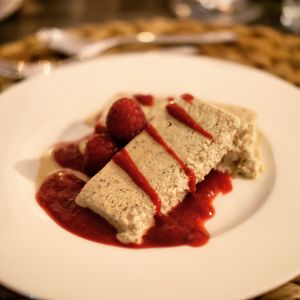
{"x":80,"y":49}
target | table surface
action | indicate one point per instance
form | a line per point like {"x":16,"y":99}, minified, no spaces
{"x":35,"y":14}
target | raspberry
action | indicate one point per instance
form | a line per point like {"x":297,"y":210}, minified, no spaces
{"x":100,"y":128}
{"x":125,"y":119}
{"x":100,"y":148}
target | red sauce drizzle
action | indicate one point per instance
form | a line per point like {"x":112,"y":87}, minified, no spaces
{"x":183,"y":226}
{"x":170,"y":98}
{"x":187,"y":97}
{"x":179,"y":113}
{"x":123,"y":160}
{"x":147,"y":100}
{"x":68,"y":155}
{"x":188,"y":171}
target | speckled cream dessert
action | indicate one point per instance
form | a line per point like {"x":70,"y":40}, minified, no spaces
{"x":114,"y":195}
{"x":242,"y":160}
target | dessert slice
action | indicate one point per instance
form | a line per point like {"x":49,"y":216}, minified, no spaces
{"x":243,"y":158}
{"x":155,"y":171}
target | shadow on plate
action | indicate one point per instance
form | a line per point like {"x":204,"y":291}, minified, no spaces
{"x":28,"y":168}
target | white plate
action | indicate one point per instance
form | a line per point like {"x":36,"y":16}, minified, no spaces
{"x":255,"y":234}
{"x":8,"y":7}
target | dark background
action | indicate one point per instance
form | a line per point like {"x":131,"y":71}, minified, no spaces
{"x":62,"y":13}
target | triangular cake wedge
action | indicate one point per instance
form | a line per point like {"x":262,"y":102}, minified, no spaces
{"x":113,"y":194}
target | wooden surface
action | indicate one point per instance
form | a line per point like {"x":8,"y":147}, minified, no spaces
{"x":258,"y":46}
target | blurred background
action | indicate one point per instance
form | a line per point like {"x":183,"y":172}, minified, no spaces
{"x":22,"y":17}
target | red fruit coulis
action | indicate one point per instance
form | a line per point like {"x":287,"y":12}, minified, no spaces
{"x":188,"y":171}
{"x":68,"y":155}
{"x":56,"y":196}
{"x":179,"y":113}
{"x":187,"y":97}
{"x":147,"y":100}
{"x":184,"y":225}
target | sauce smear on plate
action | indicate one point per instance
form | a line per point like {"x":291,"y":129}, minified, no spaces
{"x":183,"y":226}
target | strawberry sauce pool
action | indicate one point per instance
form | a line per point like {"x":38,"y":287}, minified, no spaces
{"x":183,"y":226}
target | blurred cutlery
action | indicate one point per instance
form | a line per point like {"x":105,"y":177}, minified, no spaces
{"x":61,"y":41}
{"x":80,"y":49}
{"x":20,"y":69}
